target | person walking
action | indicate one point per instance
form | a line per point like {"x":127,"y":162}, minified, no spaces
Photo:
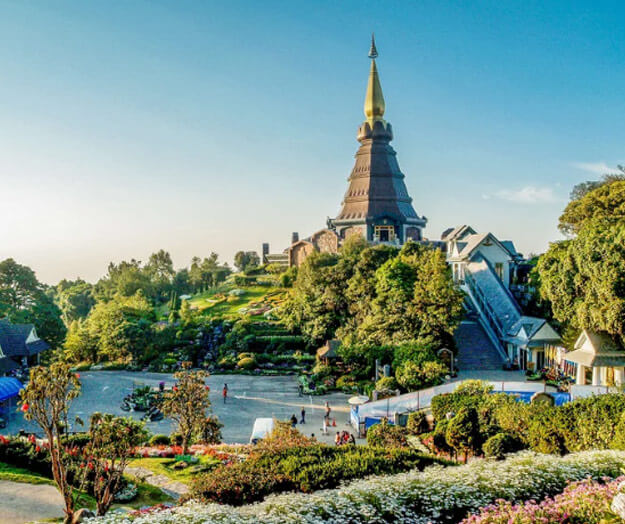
{"x":328,"y":411}
{"x":303,"y":413}
{"x":225,"y":392}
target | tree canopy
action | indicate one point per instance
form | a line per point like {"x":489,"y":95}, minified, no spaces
{"x":584,"y":277}
{"x":23,"y":299}
{"x":374,"y":295}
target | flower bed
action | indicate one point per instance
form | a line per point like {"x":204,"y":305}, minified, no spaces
{"x":435,"y":495}
{"x":587,"y":501}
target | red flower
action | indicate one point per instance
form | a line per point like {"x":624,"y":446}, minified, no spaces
{"x":24,"y":407}
{"x":78,"y":375}
{"x":37,"y":448}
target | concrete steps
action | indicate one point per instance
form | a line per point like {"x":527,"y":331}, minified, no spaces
{"x":475,"y":350}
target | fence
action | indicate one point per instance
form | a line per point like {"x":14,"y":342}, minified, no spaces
{"x":422,"y":399}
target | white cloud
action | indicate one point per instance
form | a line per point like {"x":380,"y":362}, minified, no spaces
{"x":526,"y":195}
{"x":598,"y":168}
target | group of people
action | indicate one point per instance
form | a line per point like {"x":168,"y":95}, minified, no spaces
{"x":344,"y":437}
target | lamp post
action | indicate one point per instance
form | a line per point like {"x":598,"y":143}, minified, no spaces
{"x":451,"y":358}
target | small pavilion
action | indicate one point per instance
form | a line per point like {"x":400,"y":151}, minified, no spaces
{"x":600,"y":360}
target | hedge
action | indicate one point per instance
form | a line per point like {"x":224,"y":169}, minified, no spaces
{"x":304,"y":469}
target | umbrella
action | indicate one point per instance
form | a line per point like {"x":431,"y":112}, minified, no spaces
{"x":358,"y":400}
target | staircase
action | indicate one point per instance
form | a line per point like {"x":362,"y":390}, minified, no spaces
{"x":475,"y":349}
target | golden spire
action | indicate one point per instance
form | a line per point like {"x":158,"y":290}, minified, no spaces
{"x":374,"y":100}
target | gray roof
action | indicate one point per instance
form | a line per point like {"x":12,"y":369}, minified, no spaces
{"x":13,"y":340}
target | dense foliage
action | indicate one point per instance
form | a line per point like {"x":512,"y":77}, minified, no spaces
{"x":504,"y":424}
{"x":583,"y":278}
{"x":307,"y":469}
{"x":375,"y":295}
{"x":435,"y":495}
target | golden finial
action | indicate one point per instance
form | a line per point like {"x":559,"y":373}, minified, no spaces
{"x":374,"y":100}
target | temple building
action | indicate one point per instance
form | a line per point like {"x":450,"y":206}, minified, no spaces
{"x":376,"y":205}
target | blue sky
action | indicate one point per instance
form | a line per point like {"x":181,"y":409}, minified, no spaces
{"x":130,"y":126}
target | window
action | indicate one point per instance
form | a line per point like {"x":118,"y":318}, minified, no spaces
{"x":499,"y":270}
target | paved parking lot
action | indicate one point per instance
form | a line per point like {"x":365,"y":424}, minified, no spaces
{"x":249,"y":397}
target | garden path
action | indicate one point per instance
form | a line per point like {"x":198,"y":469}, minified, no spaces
{"x":20,"y":503}
{"x":172,"y":488}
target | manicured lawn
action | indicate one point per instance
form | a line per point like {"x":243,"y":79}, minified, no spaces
{"x":24,"y":476}
{"x":163,"y":466}
{"x":209,"y":302}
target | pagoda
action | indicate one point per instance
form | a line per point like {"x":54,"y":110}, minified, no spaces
{"x":376,"y":204}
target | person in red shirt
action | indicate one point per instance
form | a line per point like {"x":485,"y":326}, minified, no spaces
{"x":225,"y":392}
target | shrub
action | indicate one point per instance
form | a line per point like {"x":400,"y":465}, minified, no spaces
{"x":160,"y":440}
{"x":417,"y":423}
{"x":435,"y":495}
{"x":386,"y":435}
{"x":474,"y":387}
{"x":412,"y":376}
{"x":463,"y":432}
{"x":247,"y":363}
{"x":500,"y":445}
{"x":386,"y":384}
{"x":452,"y":403}
{"x":346,"y":382}
{"x":304,"y":469}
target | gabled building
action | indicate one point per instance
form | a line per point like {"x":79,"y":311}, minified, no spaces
{"x":600,"y":359}
{"x":19,"y":343}
{"x":527,"y":339}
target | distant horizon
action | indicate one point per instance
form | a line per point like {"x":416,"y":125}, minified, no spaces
{"x":137,"y":126}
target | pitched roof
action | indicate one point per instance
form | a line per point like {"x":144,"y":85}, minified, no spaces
{"x":601,"y":350}
{"x":14,"y":340}
{"x":329,"y":349}
{"x":453,"y":232}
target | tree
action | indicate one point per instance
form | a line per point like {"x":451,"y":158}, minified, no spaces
{"x":75,"y":299}
{"x":584,"y":278}
{"x":412,"y":376}
{"x":19,"y":287}
{"x":414,"y":297}
{"x":463,"y":432}
{"x":117,"y":329}
{"x":245,"y":260}
{"x":606,"y":201}
{"x":112,"y":443}
{"x":160,"y":271}
{"x":46,"y":400}
{"x":23,"y":300}
{"x":187,"y":403}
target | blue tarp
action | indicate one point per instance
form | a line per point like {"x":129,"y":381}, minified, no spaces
{"x":9,"y":388}
{"x":526,"y":396}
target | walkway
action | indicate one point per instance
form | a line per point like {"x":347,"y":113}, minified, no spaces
{"x":20,"y":503}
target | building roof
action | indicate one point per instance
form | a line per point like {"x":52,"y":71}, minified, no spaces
{"x":469,"y":243}
{"x":7,"y":364}
{"x":594,"y":349}
{"x":20,"y":340}
{"x":454,"y":232}
{"x":531,"y":331}
{"x":329,"y":349}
